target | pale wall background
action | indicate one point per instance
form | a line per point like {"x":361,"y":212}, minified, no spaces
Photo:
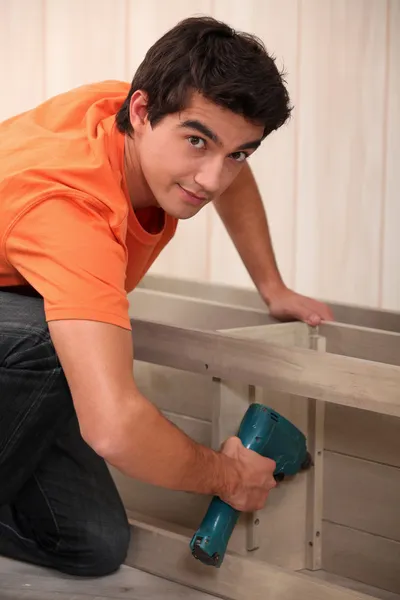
{"x":330,"y":179}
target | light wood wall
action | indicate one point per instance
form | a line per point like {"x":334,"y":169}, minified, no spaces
{"x":329,"y":179}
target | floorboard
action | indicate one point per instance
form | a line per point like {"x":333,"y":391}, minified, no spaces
{"x":20,"y":581}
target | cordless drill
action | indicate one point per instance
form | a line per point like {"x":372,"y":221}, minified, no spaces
{"x":265,"y":431}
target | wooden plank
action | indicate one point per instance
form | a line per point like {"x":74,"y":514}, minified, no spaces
{"x":279,"y":537}
{"x":191,"y":312}
{"x":166,"y":553}
{"x":299,"y":371}
{"x":20,"y":581}
{"x":390,"y":272}
{"x":181,"y":392}
{"x":343,"y":47}
{"x":361,"y":556}
{"x":22,"y":41}
{"x":274,"y":163}
{"x":351,"y":483}
{"x":353,"y":314}
{"x":315,"y":477}
{"x":362,"y":342}
{"x":363,"y":434}
{"x":73,"y":29}
{"x":351,"y":584}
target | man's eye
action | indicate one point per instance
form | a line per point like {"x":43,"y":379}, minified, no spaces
{"x":196,"y":142}
{"x":239,"y":156}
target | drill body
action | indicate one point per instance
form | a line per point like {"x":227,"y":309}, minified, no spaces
{"x":266,"y":432}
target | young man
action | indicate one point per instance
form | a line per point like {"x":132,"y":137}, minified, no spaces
{"x":92,"y":185}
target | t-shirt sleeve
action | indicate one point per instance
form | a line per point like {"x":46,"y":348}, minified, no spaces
{"x":66,"y":250}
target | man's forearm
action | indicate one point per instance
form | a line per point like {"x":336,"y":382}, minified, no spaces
{"x":152,"y":449}
{"x":242,"y":212}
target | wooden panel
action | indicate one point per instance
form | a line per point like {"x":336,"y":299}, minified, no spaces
{"x":362,"y":494}
{"x":368,"y":558}
{"x":237,"y":296}
{"x":22,"y":52}
{"x":390,"y":267}
{"x":190,"y":312}
{"x":341,"y":121}
{"x":166,"y":553}
{"x":353,"y":585}
{"x":187,"y":254}
{"x":323,"y":376}
{"x":85,"y":42}
{"x":178,"y":391}
{"x":276,"y":534}
{"x":362,"y":342}
{"x":20,"y":581}
{"x":274,"y":164}
{"x":363,"y":434}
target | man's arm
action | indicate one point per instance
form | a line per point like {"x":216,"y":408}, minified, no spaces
{"x":242,"y":212}
{"x":128,"y":431}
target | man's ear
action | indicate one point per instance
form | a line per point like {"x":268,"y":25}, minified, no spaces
{"x":138,"y":112}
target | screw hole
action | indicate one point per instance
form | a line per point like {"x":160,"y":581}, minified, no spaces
{"x":310,"y":544}
{"x":318,"y":533}
{"x":257,"y":522}
{"x":206,"y":366}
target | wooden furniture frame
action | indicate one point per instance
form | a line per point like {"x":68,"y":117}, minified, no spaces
{"x":201,"y":347}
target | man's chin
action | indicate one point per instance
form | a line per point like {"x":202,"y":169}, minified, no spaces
{"x":181,"y":210}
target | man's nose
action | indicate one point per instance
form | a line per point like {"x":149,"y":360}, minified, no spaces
{"x":210,"y":175}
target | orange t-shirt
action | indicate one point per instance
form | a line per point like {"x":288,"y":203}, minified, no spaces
{"x":67,"y":226}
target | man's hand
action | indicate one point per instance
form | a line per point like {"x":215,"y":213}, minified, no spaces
{"x":285,"y":304}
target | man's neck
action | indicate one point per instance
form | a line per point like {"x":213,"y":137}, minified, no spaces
{"x":139,"y":192}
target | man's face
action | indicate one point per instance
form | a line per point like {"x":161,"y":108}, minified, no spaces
{"x":190,"y":158}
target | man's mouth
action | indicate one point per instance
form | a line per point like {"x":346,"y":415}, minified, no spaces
{"x":192,"y":197}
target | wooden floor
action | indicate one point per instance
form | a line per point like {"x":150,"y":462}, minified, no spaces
{"x":19,"y":581}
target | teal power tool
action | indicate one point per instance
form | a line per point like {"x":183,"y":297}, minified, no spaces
{"x":265,"y":431}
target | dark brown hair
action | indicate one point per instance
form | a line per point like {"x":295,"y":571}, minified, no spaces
{"x":229,"y":68}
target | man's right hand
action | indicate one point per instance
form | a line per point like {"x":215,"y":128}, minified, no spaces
{"x":256,"y":477}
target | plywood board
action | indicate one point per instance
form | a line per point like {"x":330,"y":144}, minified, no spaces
{"x":362,"y":494}
{"x":181,"y":392}
{"x":22,"y":581}
{"x":167,"y":554}
{"x":353,"y":314}
{"x":353,"y":585}
{"x":390,"y":272}
{"x":22,"y":41}
{"x":319,"y":375}
{"x":341,"y":156}
{"x":191,"y":312}
{"x":363,"y":434}
{"x":361,"y":556}
{"x":362,"y":342}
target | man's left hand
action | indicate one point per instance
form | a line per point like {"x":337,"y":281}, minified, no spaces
{"x":285,"y":304}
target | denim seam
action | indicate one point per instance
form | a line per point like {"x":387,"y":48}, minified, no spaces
{"x":21,"y":537}
{"x":51,"y":512}
{"x":31,"y":408}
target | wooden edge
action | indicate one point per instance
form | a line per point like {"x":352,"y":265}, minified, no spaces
{"x":315,"y":480}
{"x":166,"y":554}
{"x":362,"y":342}
{"x":249,"y":298}
{"x":303,"y":372}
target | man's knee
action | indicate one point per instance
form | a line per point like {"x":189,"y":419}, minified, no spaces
{"x":105,"y":550}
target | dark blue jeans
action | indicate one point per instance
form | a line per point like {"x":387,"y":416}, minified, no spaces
{"x":59,"y":507}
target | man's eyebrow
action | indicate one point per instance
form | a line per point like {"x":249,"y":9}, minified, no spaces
{"x":203,"y":129}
